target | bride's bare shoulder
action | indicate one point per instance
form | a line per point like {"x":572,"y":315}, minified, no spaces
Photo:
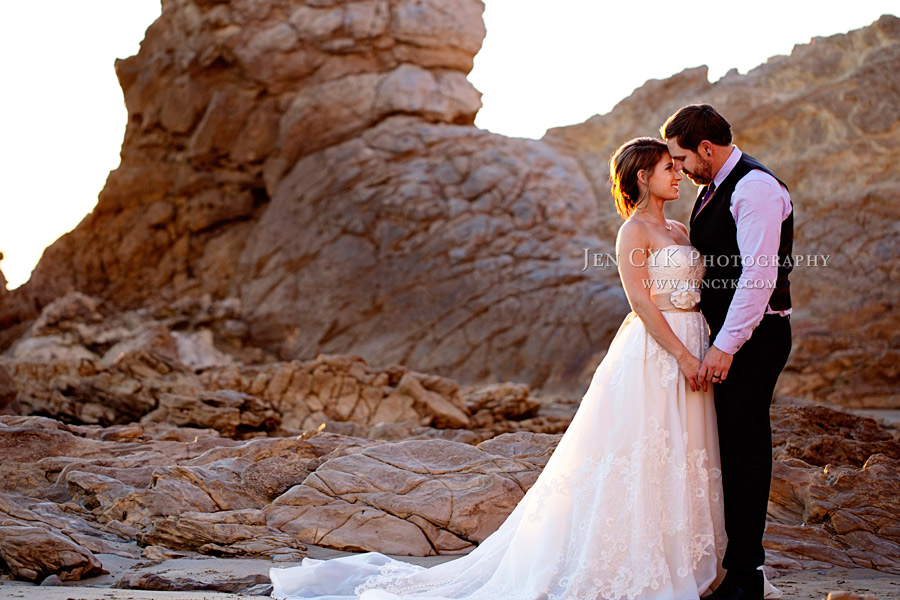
{"x":632,"y":233}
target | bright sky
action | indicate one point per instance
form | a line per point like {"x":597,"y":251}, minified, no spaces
{"x":544,"y":63}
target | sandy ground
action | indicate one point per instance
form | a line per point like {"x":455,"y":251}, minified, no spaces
{"x":795,"y":585}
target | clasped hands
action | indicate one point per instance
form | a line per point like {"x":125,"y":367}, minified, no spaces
{"x":714,"y":368}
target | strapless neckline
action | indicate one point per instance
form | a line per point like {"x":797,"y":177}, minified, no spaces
{"x":674,"y":269}
{"x":671,"y":246}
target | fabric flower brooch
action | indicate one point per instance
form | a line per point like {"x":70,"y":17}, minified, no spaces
{"x":685,"y":296}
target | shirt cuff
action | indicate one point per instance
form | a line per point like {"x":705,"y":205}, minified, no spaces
{"x":727,"y":343}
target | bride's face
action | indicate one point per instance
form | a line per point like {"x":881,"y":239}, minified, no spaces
{"x":664,"y":179}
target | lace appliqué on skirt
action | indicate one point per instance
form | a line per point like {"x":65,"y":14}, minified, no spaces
{"x":395,"y":576}
{"x":673,"y":497}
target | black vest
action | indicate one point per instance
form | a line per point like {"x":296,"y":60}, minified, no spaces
{"x":714,"y":234}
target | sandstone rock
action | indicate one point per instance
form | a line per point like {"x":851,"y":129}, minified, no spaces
{"x":178,"y":490}
{"x":93,"y":393}
{"x":51,"y":348}
{"x":843,"y":595}
{"x":822,"y":436}
{"x":161,"y":553}
{"x":271,"y":477}
{"x":838,"y":515}
{"x":531,"y":448}
{"x":420,"y":498}
{"x":267,"y":146}
{"x":190,"y":490}
{"x":80,"y":365}
{"x":92,"y":490}
{"x":34,"y":553}
{"x":65,"y":520}
{"x":260,"y":449}
{"x":429,"y":249}
{"x":504,"y":400}
{"x":391,"y":402}
{"x":227,"y":533}
{"x":198,"y":350}
{"x":9,"y":393}
{"x":160,"y":583}
{"x":73,"y":327}
{"x":68,"y":314}
{"x":234,"y":414}
{"x":842,"y":514}
{"x":42,"y":453}
{"x":446,"y":413}
{"x":133,"y":366}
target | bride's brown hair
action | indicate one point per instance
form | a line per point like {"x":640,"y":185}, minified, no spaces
{"x":624,"y":165}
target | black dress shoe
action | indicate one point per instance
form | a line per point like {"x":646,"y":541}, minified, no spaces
{"x":746,"y":585}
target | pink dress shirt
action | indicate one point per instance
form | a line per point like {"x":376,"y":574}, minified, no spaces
{"x":759,"y":204}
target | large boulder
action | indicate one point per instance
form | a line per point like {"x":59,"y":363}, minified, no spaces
{"x":35,"y":553}
{"x":420,"y":498}
{"x":318,"y":161}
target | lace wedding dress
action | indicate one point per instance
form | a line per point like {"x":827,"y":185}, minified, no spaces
{"x":628,"y":506}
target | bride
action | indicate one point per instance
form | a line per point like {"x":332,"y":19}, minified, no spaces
{"x":630,"y":503}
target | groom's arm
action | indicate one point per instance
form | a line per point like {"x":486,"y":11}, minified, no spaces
{"x":759,"y":205}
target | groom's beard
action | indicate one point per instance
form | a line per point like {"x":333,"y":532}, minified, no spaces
{"x":703,"y":175}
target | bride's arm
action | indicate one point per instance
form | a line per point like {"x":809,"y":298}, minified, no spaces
{"x":631,"y":251}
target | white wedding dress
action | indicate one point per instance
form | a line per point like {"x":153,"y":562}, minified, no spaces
{"x":628,"y":506}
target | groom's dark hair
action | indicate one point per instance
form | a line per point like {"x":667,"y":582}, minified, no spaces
{"x":694,"y":123}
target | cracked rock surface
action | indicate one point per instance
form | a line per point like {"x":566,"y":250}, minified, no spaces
{"x":318,"y":162}
{"x":148,"y":489}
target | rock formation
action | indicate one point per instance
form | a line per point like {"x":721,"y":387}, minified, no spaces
{"x":843,"y":516}
{"x":72,"y":493}
{"x":834,"y":496}
{"x":9,"y":393}
{"x":160,"y":365}
{"x":827,"y":120}
{"x":317,"y":161}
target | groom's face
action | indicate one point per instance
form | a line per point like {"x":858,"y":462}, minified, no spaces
{"x":698,"y":168}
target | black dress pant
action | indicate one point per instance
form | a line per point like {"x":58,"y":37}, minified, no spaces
{"x":745,"y":438}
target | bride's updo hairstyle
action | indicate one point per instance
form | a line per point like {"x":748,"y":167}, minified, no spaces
{"x":629,"y":159}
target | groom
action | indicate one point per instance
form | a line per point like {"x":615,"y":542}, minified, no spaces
{"x":742,"y":224}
